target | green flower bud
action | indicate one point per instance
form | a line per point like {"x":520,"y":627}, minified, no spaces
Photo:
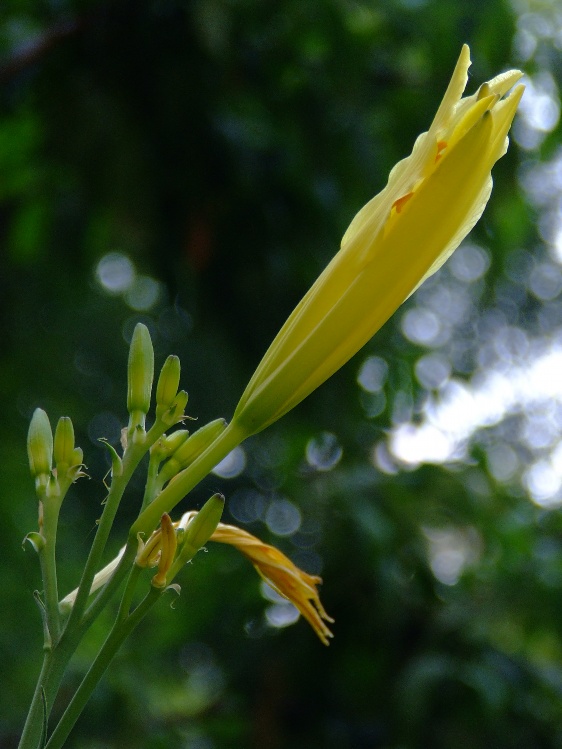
{"x":168,"y":384}
{"x":202,"y":527}
{"x":175,"y":412}
{"x":64,"y":444}
{"x":140,"y":376}
{"x":168,"y":444}
{"x":191,"y":449}
{"x":199,"y":441}
{"x":40,"y":447}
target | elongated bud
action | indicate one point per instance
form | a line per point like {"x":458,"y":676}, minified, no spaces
{"x":189,"y":450}
{"x":140,"y":376}
{"x":168,"y":384}
{"x":202,"y":527}
{"x":169,"y":545}
{"x":199,"y":441}
{"x":64,"y":444}
{"x":40,"y":447}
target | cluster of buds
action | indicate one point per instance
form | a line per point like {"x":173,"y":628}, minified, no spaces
{"x":172,"y":546}
{"x":180,"y":449}
{"x":170,"y":404}
{"x":54,"y":464}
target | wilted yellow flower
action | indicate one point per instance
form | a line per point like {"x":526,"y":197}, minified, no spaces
{"x":432,"y":200}
{"x":281,"y":574}
{"x":168,"y":546}
{"x":273,"y":566}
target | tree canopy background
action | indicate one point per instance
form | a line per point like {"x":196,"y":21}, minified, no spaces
{"x":193,"y":165}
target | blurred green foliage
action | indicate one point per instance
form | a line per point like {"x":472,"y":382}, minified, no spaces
{"x":221,"y":147}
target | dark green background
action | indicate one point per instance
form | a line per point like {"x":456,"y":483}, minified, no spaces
{"x":224,"y":146}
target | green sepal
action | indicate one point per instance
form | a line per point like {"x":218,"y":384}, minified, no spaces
{"x":35,"y":539}
{"x":116,"y":462}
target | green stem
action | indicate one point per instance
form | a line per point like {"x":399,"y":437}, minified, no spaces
{"x":125,"y":605}
{"x":47,"y":560}
{"x":151,"y":487}
{"x":32,"y":729}
{"x":185,"y":481}
{"x":79,"y":621}
{"x":120,"y":631}
{"x":48,"y":682}
{"x":131,"y":459}
{"x":106,"y":593}
{"x":56,"y":660}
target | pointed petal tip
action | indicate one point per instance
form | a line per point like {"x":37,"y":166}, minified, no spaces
{"x":504,"y":81}
{"x":509,"y":105}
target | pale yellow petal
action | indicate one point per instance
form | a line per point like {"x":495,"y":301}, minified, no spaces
{"x":454,"y":91}
{"x":404,"y":234}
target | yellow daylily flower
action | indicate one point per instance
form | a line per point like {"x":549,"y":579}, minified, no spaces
{"x":432,"y":200}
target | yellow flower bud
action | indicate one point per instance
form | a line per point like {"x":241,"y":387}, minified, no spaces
{"x":432,"y":200}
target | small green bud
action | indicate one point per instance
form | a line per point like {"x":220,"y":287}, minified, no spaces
{"x":140,"y":376}
{"x":64,"y":444}
{"x":202,"y":527}
{"x":77,"y":457}
{"x":168,"y":444}
{"x":40,"y":447}
{"x":191,"y":449}
{"x":199,"y":441}
{"x":175,"y":412}
{"x":168,"y":384}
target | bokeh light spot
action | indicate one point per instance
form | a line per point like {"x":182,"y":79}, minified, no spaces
{"x":323,"y":452}
{"x":115,"y":272}
{"x":232,"y":465}
{"x":372,"y":374}
{"x":282,"y":517}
